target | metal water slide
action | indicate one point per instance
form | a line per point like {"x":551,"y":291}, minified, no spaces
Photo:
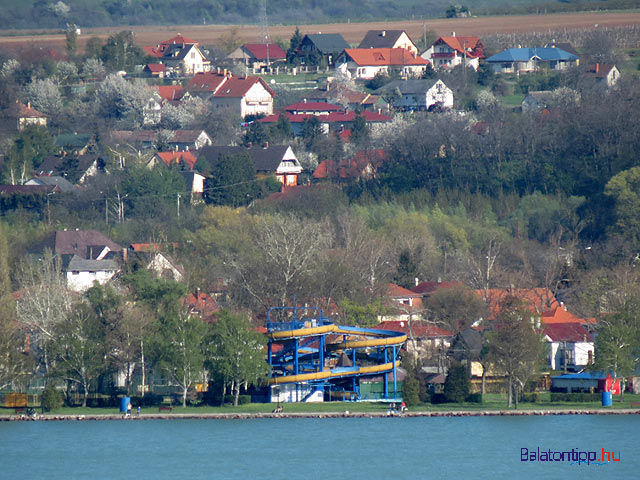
{"x":299,"y":350}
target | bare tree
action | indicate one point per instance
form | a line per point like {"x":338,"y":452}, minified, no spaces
{"x":45,"y":302}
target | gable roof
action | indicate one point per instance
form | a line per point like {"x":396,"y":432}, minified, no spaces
{"x":259,"y":51}
{"x":60,"y":183}
{"x":159,"y":50}
{"x":567,"y":332}
{"x":559,"y":314}
{"x":264,"y":159}
{"x":326,"y":42}
{"x":225,"y":85}
{"x":201,"y":304}
{"x":599,"y":70}
{"x":176,"y":157}
{"x":78,"y":242}
{"x":472,"y":45}
{"x":384,"y":56}
{"x":351,"y":168}
{"x":335,"y":90}
{"x":171,"y":93}
{"x":381,"y":38}
{"x":87,"y":265}
{"x":544,"y":54}
{"x":410,"y":86}
{"x":537,"y":299}
{"x":8,"y":190}
{"x":27,"y":111}
{"x":156,"y":67}
{"x":73,"y":140}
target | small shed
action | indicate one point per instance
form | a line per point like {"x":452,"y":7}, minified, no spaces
{"x":585,"y":382}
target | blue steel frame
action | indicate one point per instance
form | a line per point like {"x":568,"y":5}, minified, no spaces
{"x":292,"y":361}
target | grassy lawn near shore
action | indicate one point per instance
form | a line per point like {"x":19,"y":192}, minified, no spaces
{"x":491,"y":402}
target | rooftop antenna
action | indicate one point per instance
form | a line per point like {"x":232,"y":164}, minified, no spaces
{"x":264,"y":27}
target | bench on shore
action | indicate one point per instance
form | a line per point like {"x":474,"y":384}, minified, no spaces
{"x":634,"y":404}
{"x":165,"y":409}
{"x":20,"y":409}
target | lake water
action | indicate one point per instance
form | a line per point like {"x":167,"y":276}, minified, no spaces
{"x":301,"y":448}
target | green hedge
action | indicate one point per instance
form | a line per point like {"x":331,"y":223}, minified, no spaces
{"x":576,"y":397}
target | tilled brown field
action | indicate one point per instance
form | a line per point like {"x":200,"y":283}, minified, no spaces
{"x":352,"y":32}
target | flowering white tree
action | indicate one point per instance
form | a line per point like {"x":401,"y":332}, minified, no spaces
{"x":120,"y":99}
{"x":44,"y":95}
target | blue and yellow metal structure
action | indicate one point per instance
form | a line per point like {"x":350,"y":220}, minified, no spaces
{"x":310,"y":345}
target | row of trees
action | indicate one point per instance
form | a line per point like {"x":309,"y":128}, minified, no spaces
{"x":133,"y":329}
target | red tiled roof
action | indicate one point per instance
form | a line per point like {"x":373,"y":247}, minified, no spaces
{"x":157,"y":67}
{"x":350,"y":116}
{"x":351,"y":168}
{"x":567,"y":332}
{"x":259,"y":51}
{"x":292,"y":117}
{"x":419,"y":328}
{"x":153,"y":51}
{"x":202,"y":304}
{"x":384,"y":56}
{"x":151,"y":247}
{"x":206,"y":82}
{"x":600,"y":70}
{"x":236,"y":87}
{"x":472,"y":44}
{"x":394,"y":290}
{"x":537,"y":299}
{"x":179,"y":40}
{"x":170,"y":93}
{"x":430,"y":287}
{"x":27,"y":111}
{"x":559,"y":315}
{"x":176,"y":157}
{"x":312,"y":107}
{"x":225,"y":85}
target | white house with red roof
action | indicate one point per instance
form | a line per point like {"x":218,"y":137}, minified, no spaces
{"x":312,"y":108}
{"x":180,"y":54}
{"x":243,"y":95}
{"x":258,"y":55}
{"x":448,"y":52}
{"x":571,"y":346}
{"x":602,"y":74}
{"x":366,"y":63}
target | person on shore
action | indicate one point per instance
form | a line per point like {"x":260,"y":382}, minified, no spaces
{"x":138,"y":411}
{"x":128,"y":409}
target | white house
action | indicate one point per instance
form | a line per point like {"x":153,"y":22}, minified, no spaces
{"x":366,"y":63}
{"x":82,"y":273}
{"x":245,"y":95}
{"x":417,"y":94}
{"x":448,"y":52}
{"x":570,"y":344}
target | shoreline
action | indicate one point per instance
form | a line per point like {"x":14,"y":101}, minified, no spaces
{"x":345,"y":414}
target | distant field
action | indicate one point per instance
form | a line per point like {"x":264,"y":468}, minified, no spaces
{"x":353,"y":32}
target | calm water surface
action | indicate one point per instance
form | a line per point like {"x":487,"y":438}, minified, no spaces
{"x":349,"y":448}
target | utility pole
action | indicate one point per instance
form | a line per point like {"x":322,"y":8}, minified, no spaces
{"x":106,"y":208}
{"x":178,"y":201}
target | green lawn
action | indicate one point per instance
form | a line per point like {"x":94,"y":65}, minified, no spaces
{"x":492,"y":402}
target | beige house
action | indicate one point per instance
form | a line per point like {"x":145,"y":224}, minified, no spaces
{"x":388,"y":39}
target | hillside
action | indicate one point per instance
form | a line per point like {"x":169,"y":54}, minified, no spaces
{"x":104,"y":13}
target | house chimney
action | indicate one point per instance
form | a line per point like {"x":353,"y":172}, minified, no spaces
{"x":416,"y":281}
{"x":384,"y":33}
{"x":29,"y":103}
{"x":266,"y":145}
{"x":125,"y":254}
{"x":597,"y":67}
{"x":453,"y":34}
{"x":197,"y":293}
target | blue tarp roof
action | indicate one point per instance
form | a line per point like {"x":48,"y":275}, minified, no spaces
{"x":582,"y":376}
{"x":525,"y":54}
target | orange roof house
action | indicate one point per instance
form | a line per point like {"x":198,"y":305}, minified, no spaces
{"x":537,"y":300}
{"x":364,"y":164}
{"x":366,"y":63}
{"x":560,"y":315}
{"x":173,"y":158}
